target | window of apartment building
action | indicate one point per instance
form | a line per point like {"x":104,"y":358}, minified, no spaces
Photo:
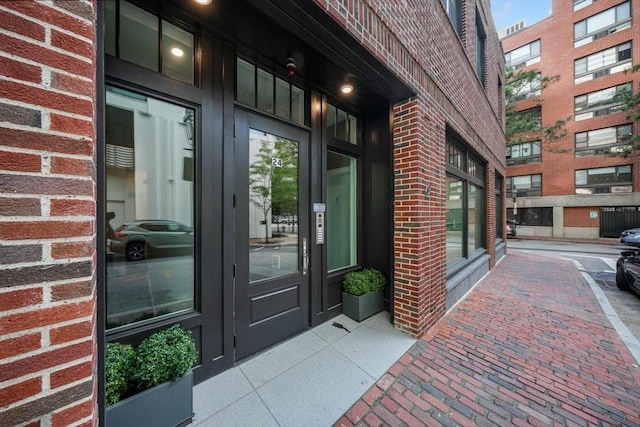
{"x":529,"y":89}
{"x":579,"y":4}
{"x":150,"y":202}
{"x":524,"y":185}
{"x":465,"y":202}
{"x":603,"y":141}
{"x":144,"y":39}
{"x":526,"y":152}
{"x":260,"y":89}
{"x":542,"y":217}
{"x":532,"y":116}
{"x":599,"y":103}
{"x":603,"y":63}
{"x":614,"y":179}
{"x":481,"y":57}
{"x":454,"y":10}
{"x":602,"y":24}
{"x":524,"y":55}
{"x":342,"y":189}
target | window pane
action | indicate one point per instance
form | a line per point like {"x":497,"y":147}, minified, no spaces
{"x":297,"y":105}
{"x":601,"y":20}
{"x":341,"y":211}
{"x":474,"y":218}
{"x":138,"y":36}
{"x":177,"y":53}
{"x":455,"y":224}
{"x":353,"y":129}
{"x":110,"y":28}
{"x":265,"y":91}
{"x":149,"y":174}
{"x":331,"y":120}
{"x":341,"y":125}
{"x":246,"y":83}
{"x":282,"y":98}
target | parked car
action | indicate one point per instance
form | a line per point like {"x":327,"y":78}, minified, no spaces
{"x":631,"y":237}
{"x":511,"y":228}
{"x":140,"y":239}
{"x":628,"y":272}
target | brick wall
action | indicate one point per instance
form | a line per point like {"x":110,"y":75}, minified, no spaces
{"x":47,"y":213}
{"x":415,"y":39}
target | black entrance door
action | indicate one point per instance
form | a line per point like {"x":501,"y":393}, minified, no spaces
{"x":272,"y":232}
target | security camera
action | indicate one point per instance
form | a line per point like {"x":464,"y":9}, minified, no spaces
{"x":291,"y":66}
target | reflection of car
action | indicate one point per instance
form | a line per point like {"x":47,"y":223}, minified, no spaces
{"x":140,"y":239}
{"x":630,"y":237}
{"x":511,"y":228}
{"x":628,"y":271}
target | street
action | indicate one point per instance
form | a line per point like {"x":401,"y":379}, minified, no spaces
{"x":599,"y":261}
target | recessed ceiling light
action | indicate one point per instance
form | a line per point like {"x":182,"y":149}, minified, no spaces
{"x":203,"y":2}
{"x":177,"y":51}
{"x":346,"y":88}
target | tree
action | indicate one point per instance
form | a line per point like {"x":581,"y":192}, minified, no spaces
{"x":525,"y":126}
{"x":630,"y":105}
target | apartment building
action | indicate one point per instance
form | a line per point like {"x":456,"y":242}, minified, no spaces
{"x":573,"y":187}
{"x":222,"y":165}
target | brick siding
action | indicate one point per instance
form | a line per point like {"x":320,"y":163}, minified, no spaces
{"x":47,"y":213}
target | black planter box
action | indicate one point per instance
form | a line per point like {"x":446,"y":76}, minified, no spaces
{"x":362,"y":306}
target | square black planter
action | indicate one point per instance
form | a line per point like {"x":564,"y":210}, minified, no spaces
{"x":362,"y":306}
{"x":165,"y":405}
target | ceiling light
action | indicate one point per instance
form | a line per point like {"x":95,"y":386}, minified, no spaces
{"x":203,"y":2}
{"x":346,"y":88}
{"x":177,"y":51}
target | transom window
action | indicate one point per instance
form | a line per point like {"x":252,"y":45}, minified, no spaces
{"x":524,"y":185}
{"x":341,"y":124}
{"x":137,"y":36}
{"x":603,"y":63}
{"x":260,"y":89}
{"x":526,"y":152}
{"x":602,"y":24}
{"x":603,"y":141}
{"x":454,"y":10}
{"x":524,"y":55}
{"x":599,"y":103}
{"x":614,"y":179}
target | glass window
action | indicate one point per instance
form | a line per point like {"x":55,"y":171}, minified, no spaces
{"x":499,"y":206}
{"x":149,"y":174}
{"x":265,"y":91}
{"x":297,"y":105}
{"x":138,"y":36}
{"x":455,"y":219}
{"x":454,"y":10}
{"x":282,"y":99}
{"x":602,"y":24}
{"x":246,"y":83}
{"x":341,"y":216}
{"x":603,"y":63}
{"x":523,"y":54}
{"x":110,"y":28}
{"x":599,"y":103}
{"x":342,"y":125}
{"x":526,"y":152}
{"x":614,"y":179}
{"x":475,"y":215}
{"x":177,"y":53}
{"x":480,"y":49}
{"x":524,"y":185}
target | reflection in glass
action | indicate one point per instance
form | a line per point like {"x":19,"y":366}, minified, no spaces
{"x":341,"y":125}
{"x":246,"y":83}
{"x":454,"y":219}
{"x":110,"y":28}
{"x":341,"y":211}
{"x":475,"y":209}
{"x":138,"y":36}
{"x":265,"y":91}
{"x":297,"y":105}
{"x":273,"y":206}
{"x":177,"y":53}
{"x":150,"y":205}
{"x":282,"y":98}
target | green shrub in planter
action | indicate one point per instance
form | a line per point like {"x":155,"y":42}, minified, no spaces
{"x":119,"y":360}
{"x":363,"y":281}
{"x":164,"y":356}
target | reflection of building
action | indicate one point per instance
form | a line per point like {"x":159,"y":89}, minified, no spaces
{"x":405,"y":173}
{"x":572,"y":188}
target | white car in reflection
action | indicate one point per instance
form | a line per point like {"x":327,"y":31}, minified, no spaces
{"x":142,"y":239}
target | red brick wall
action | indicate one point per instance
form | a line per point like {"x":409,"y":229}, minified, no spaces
{"x":557,"y":58}
{"x":47,"y":213}
{"x":416,"y":40}
{"x":579,"y":217}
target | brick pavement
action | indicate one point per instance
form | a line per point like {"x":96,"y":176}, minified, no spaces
{"x":529,"y":345}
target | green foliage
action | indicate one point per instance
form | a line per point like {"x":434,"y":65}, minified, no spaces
{"x":163,"y":356}
{"x":363,"y":281}
{"x":119,"y":361}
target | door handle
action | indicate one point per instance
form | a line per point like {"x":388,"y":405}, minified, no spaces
{"x":305,"y":257}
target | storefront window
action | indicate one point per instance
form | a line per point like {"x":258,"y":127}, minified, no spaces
{"x":150,"y":207}
{"x":455,"y":219}
{"x":341,"y":211}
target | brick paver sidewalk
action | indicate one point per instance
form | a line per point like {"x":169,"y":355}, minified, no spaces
{"x":530,"y":345}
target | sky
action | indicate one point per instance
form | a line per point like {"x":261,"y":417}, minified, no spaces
{"x":509,"y":12}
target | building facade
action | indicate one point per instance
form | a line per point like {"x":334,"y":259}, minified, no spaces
{"x":572,"y":187}
{"x":222,"y":165}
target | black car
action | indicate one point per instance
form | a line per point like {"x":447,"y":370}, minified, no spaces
{"x":628,"y":272}
{"x":137,"y":240}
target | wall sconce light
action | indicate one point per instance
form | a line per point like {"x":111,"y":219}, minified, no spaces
{"x":346,"y":88}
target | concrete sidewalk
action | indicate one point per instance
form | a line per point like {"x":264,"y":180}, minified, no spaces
{"x":530,"y":345}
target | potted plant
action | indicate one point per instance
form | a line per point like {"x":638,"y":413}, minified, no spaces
{"x":362,"y":296}
{"x":151,"y":384}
